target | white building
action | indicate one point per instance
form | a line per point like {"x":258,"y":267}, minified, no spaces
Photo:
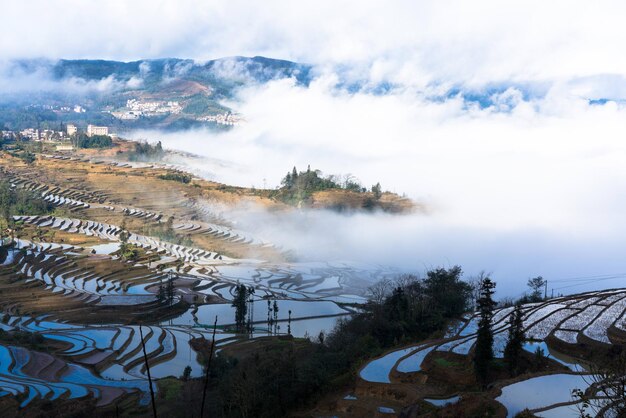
{"x":71,"y":129}
{"x":97,"y":130}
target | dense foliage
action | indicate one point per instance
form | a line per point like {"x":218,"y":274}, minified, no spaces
{"x":179,"y":177}
{"x":145,"y":151}
{"x":298,"y":186}
{"x":515,"y":340}
{"x":82,"y":140}
{"x":14,"y":201}
{"x":483,"y":354}
{"x":284,"y":375}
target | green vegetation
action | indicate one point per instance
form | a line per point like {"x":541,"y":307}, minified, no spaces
{"x":282,"y":375}
{"x":82,"y":140}
{"x":127,"y":251}
{"x":299,"y":186}
{"x":243,"y":298}
{"x":483,"y":355}
{"x":446,"y":363}
{"x":200,"y":104}
{"x":165,"y":232}
{"x":147,"y":152}
{"x":17,"y":118}
{"x":515,"y":341}
{"x":15,"y":202}
{"x":179,"y":177}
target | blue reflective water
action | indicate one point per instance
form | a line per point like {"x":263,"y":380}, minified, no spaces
{"x":413,"y":363}
{"x":540,"y":392}
{"x":377,"y":371}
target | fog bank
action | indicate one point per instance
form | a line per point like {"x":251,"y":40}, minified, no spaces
{"x":519,"y":188}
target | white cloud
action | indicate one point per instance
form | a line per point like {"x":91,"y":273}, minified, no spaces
{"x":16,"y":80}
{"x":407,"y":41}
{"x":525,"y":186}
{"x":533,"y":190}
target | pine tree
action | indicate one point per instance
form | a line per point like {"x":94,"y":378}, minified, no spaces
{"x":515,"y":340}
{"x":269,"y":317}
{"x":241,"y":307}
{"x":161,"y":295}
{"x":170,"y":289}
{"x":483,"y":354}
{"x":275,"y":309}
{"x":377,"y":190}
{"x":250,"y":308}
{"x":287,"y":181}
{"x":289,"y":323}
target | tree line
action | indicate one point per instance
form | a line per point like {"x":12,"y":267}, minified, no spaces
{"x":15,"y":202}
{"x":82,"y":140}
{"x":297,"y":185}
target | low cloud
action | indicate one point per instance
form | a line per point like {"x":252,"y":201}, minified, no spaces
{"x":521,"y":187}
{"x":38,"y":78}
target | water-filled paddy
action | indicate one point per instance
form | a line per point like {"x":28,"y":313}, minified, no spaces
{"x":539,"y":392}
{"x":413,"y":363}
{"x":378,"y":370}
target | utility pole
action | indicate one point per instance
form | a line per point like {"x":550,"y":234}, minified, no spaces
{"x":545,"y":295}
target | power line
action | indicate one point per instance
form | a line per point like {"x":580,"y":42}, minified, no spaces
{"x":589,"y":281}
{"x":581,"y":278}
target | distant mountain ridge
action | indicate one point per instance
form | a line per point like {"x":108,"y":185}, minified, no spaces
{"x":103,"y":88}
{"x":262,"y":69}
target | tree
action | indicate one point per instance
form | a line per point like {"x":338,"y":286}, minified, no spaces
{"x":537,"y":285}
{"x":170,"y":288}
{"x":515,"y":341}
{"x":186,"y":373}
{"x":474,"y":283}
{"x":250,"y":309}
{"x":4,"y":229}
{"x":275,"y":309}
{"x":606,"y":394}
{"x":127,"y":252}
{"x":483,"y":354}
{"x":379,"y":291}
{"x":240,"y":303}
{"x":446,"y":292}
{"x":376,"y":189}
{"x":161,"y":294}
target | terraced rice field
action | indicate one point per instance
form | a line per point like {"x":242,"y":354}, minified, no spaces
{"x":556,"y":326}
{"x":65,"y":283}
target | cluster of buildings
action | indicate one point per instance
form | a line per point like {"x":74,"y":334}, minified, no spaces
{"x":97,"y":130}
{"x":33,"y":134}
{"x":138,"y":108}
{"x":223,"y":119}
{"x":42,"y":135}
{"x":91,"y":130}
{"x":75,"y":108}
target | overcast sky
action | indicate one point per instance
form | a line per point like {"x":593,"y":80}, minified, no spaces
{"x":532,"y":183}
{"x":419,"y":41}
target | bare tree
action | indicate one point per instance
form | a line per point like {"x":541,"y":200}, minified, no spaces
{"x":380,"y":290}
{"x":475,"y":283}
{"x":606,"y":393}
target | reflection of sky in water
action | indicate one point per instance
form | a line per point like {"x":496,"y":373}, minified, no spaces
{"x":540,"y":392}
{"x":443,"y":402}
{"x":378,"y":370}
{"x":413,"y":363}
{"x":226,"y":313}
{"x":532,"y":347}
